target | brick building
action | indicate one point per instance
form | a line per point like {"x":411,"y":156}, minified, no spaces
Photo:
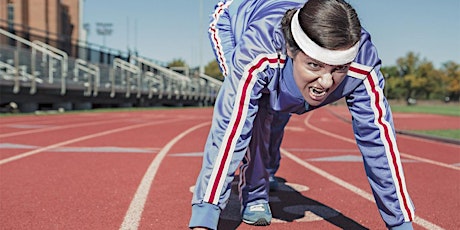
{"x":56,"y":22}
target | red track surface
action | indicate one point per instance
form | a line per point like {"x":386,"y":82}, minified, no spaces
{"x":110,"y":170}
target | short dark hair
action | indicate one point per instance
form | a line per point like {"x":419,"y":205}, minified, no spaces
{"x":332,"y":24}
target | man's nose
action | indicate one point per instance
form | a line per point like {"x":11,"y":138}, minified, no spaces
{"x":325,"y":80}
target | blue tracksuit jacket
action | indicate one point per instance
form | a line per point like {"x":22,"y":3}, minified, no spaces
{"x":250,"y":48}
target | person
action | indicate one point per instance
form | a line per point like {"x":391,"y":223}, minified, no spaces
{"x":284,"y":57}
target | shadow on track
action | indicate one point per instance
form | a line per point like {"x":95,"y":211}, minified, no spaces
{"x":287,"y":205}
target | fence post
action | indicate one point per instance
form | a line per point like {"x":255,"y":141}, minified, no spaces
{"x":16,"y":71}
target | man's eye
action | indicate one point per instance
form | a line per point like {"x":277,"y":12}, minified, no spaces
{"x":313,"y":65}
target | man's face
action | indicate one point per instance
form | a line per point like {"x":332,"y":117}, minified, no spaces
{"x":316,"y":80}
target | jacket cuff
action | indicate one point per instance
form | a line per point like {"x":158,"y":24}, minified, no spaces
{"x":404,"y":226}
{"x":204,"y":215}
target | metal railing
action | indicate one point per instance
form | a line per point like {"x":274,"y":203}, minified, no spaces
{"x":127,"y":73}
{"x":58,"y":55}
{"x":49,"y":61}
{"x":37,"y":64}
{"x":174,"y":83}
{"x":212,"y":87}
{"x":89,"y":74}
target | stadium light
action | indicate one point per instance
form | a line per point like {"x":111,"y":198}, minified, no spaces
{"x":104,"y":29}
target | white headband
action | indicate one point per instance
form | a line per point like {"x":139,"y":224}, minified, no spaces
{"x":309,"y":47}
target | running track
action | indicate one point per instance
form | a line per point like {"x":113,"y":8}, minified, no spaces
{"x":135,"y":170}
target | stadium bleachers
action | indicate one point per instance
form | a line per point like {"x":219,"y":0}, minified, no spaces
{"x":36,"y":76}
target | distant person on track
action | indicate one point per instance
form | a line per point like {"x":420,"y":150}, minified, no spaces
{"x":291,"y":57}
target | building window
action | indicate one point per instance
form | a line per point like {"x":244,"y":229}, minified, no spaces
{"x":10,"y":16}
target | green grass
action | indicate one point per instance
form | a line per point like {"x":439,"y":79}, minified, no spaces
{"x":444,"y":109}
{"x":445,"y":133}
{"x":440,"y":109}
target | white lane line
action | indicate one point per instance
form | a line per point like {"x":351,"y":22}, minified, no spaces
{"x":58,"y":127}
{"x":134,"y":213}
{"x":71,"y":141}
{"x":93,"y":149}
{"x":428,"y":161}
{"x":417,"y":220}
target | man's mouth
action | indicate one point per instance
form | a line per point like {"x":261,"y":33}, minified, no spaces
{"x":317,"y":93}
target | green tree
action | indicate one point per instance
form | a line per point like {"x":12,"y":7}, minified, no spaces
{"x":407,"y":68}
{"x":394,"y":84}
{"x":179,"y":66}
{"x":428,"y":80}
{"x":177,"y":63}
{"x":451,"y":80}
{"x":413,"y":77}
{"x":212,"y":69}
{"x":419,"y":76}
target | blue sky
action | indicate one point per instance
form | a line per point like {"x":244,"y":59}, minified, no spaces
{"x":177,"y":29}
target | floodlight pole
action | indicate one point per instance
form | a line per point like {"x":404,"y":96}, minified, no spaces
{"x":201,"y":70}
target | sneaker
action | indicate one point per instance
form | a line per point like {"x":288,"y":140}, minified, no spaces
{"x":273,"y":183}
{"x":258,"y":215}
